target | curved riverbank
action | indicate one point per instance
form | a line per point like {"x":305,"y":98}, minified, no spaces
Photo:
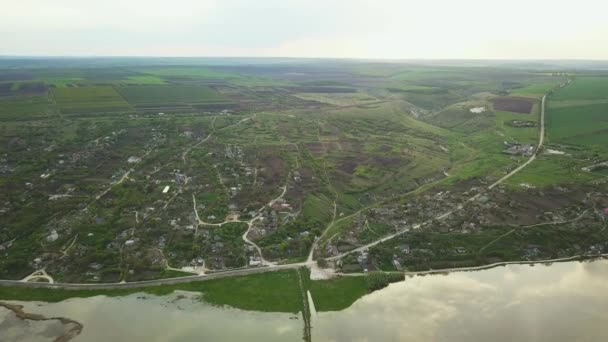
{"x":69,"y":328}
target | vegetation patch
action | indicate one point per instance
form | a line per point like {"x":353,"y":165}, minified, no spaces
{"x":379,"y":280}
{"x":273,"y":291}
{"x":169,"y":94}
{"x":338,"y":293}
{"x":84,"y":100}
{"x":583,"y":88}
{"x":580,"y":125}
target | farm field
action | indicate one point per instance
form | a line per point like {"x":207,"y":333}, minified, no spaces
{"x":26,"y":108}
{"x":584,"y":125}
{"x":79,"y":100}
{"x":169,"y":94}
{"x":146,"y":169}
{"x":534,"y":91}
{"x":585,"y":88}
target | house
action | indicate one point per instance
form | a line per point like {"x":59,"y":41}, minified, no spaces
{"x":53,"y":236}
{"x":95,"y":266}
{"x":166,"y":189}
{"x":133,"y":160}
{"x":515,"y":149}
{"x":405,"y":249}
{"x":253,"y":261}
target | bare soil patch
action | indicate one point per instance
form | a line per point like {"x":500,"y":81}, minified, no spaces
{"x":513,"y":104}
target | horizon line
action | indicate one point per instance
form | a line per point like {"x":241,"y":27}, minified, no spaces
{"x":3,"y":56}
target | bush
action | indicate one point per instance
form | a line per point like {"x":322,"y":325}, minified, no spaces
{"x":379,"y":280}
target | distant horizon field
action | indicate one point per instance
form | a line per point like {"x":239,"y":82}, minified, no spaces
{"x":584,"y":88}
{"x":76,"y":100}
{"x":169,"y":94}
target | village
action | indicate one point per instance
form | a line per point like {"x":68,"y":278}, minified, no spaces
{"x":524,"y":222}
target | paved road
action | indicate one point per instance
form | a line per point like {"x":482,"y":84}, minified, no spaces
{"x":150,"y":283}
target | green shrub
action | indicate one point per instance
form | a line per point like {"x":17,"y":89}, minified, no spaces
{"x":379,"y":280}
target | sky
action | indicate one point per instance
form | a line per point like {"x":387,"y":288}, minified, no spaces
{"x":376,"y":29}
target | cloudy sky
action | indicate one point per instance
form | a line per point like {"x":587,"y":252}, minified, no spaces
{"x":395,"y":29}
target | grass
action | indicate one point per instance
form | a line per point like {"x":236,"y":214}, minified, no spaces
{"x":85,"y":100}
{"x":194,"y":72}
{"x":62,"y":82}
{"x":272,"y":292}
{"x":25,"y":108}
{"x":575,"y":118}
{"x":268,"y":292}
{"x":338,"y":99}
{"x":584,"y":88}
{"x":581,"y":125}
{"x":143,"y":79}
{"x":318,"y":209}
{"x":534,"y":90}
{"x":338,"y":293}
{"x":550,"y":171}
{"x":520,"y":134}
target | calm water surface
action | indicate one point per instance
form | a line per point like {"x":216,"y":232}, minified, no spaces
{"x":177,"y":317}
{"x":561,"y":302}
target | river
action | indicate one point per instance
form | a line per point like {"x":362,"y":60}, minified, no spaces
{"x":559,"y":302}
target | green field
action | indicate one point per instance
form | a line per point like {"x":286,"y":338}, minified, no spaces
{"x":169,"y":94}
{"x":579,"y":125}
{"x":552,"y":171}
{"x":272,"y":292}
{"x":83,"y":100}
{"x":584,"y":88}
{"x":337,"y":294}
{"x":536,"y":90}
{"x":524,"y":135}
{"x":26,"y":108}
{"x":576,"y":121}
{"x":275,"y":291}
{"x":143,"y":79}
{"x":194,"y":72}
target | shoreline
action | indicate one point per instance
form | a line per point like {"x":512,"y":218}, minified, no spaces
{"x":488,"y":266}
{"x":22,"y":315}
{"x":506,"y":263}
{"x":225,"y":274}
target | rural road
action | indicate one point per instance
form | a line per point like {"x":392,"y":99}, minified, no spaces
{"x":541,"y":141}
{"x":270,"y":267}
